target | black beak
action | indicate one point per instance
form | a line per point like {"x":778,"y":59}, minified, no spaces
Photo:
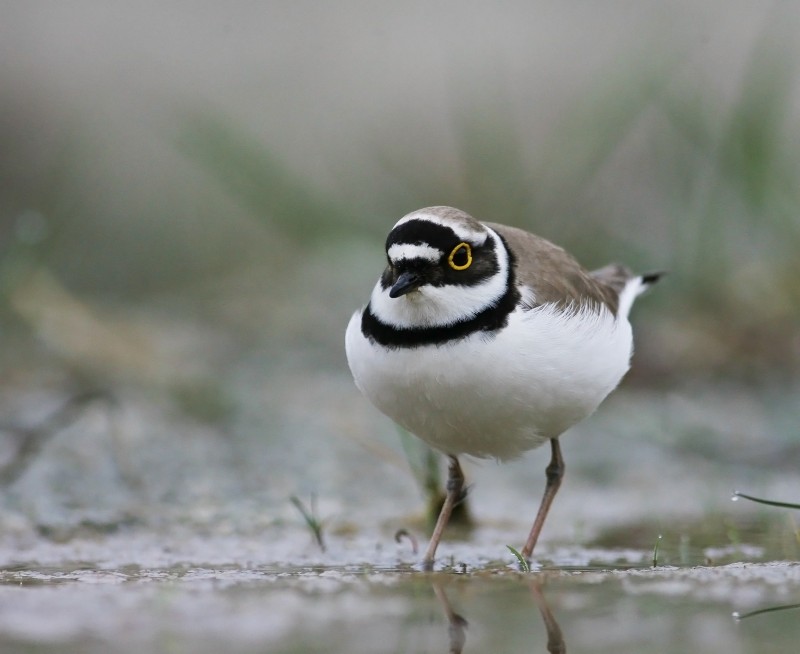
{"x":405,"y":283}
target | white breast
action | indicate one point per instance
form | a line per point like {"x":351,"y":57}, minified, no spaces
{"x":497,"y":396}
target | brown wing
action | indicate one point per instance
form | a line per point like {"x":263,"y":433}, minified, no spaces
{"x":556,"y":277}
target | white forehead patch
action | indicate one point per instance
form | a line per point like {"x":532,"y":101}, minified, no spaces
{"x":400,"y":251}
{"x":463,"y":231}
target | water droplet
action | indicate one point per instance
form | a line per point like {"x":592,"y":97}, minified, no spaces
{"x":735,"y":615}
{"x":734,"y":498}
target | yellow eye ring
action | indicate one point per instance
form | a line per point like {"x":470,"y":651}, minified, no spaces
{"x":455,"y":252}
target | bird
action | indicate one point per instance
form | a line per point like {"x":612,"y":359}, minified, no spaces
{"x":486,"y":340}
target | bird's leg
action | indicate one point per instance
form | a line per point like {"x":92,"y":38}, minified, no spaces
{"x":455,"y":488}
{"x":555,"y":473}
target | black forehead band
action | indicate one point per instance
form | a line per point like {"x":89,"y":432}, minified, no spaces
{"x":423,"y":232}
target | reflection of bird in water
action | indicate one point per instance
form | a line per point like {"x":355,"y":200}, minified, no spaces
{"x":555,"y":639}
{"x":457,"y":624}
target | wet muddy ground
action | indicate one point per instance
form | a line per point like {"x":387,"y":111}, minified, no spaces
{"x":139,"y":529}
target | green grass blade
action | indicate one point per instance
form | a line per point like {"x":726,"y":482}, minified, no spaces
{"x":655,"y":550}
{"x":785,"y":505}
{"x":523,"y":564}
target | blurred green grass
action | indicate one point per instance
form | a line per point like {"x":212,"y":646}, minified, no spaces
{"x":650,"y":164}
{"x":726,"y":172}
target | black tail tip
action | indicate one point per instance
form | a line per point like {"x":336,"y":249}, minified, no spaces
{"x":648,"y":279}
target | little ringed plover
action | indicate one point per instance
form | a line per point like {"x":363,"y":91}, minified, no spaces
{"x":486,"y":340}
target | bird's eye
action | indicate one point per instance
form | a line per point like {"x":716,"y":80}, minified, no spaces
{"x":461,"y":257}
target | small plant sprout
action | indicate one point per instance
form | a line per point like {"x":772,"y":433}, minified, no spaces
{"x":524,"y":566}
{"x":310,"y":516}
{"x":785,"y":505}
{"x":655,"y":550}
{"x":401,"y":534}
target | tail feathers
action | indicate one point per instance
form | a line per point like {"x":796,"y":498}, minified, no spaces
{"x":614,"y":275}
{"x":648,"y":279}
{"x":633,"y":288}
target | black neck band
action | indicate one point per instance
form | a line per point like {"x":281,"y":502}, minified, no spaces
{"x":492,"y":319}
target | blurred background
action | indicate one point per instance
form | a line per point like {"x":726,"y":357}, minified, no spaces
{"x":194,"y":198}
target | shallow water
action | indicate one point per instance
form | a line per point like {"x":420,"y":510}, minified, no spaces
{"x":317,"y":610}
{"x":133,"y":592}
